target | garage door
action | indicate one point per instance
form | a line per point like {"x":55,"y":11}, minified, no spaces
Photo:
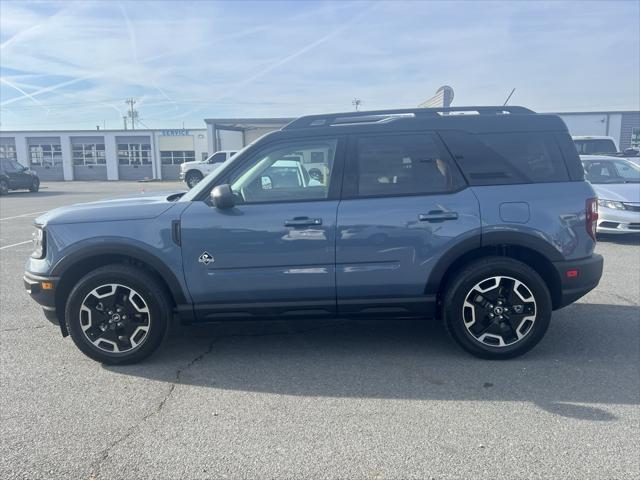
{"x":251,"y":135}
{"x":88,"y":158}
{"x":45,"y":158}
{"x":230,"y":139}
{"x":134,"y":158}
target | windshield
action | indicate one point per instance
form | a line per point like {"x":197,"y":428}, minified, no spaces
{"x":595,"y":146}
{"x":611,"y":171}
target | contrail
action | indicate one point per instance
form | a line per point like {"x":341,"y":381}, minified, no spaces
{"x":24,"y":93}
{"x":296,"y":54}
{"x":49,"y":89}
{"x":24,"y":32}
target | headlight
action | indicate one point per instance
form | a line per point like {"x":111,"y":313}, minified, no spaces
{"x":611,"y":204}
{"x":38,"y":237}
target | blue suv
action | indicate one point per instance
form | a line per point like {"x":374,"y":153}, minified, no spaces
{"x":479,"y":216}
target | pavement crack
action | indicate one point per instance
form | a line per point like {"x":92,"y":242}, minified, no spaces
{"x":104,"y":454}
{"x":621,"y":297}
{"x":17,"y":329}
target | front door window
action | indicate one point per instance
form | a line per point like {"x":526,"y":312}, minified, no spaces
{"x":282,"y":173}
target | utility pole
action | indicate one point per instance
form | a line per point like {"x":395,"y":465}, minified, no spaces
{"x":124,"y":117}
{"x":133,"y":114}
{"x":356,"y":102}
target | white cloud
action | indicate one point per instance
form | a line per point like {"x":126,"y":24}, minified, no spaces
{"x":190,"y":60}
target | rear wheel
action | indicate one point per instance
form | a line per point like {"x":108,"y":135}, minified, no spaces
{"x":4,"y":187}
{"x":35,"y":185}
{"x":497,"y":307}
{"x":117,"y":314}
{"x":193,"y":178}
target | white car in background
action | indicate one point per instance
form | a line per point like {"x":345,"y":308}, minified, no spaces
{"x":193,"y":172}
{"x":617,"y":184}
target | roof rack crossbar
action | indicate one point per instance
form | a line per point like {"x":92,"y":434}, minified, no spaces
{"x":332,"y":118}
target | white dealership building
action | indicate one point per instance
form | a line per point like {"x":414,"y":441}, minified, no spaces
{"x":105,"y":154}
{"x":157,"y":154}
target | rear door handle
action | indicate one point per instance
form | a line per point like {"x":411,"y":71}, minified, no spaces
{"x":303,"y":222}
{"x":437,"y":216}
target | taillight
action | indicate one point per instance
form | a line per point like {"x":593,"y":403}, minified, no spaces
{"x":592,"y":217}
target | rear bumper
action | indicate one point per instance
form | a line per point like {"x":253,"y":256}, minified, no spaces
{"x":33,"y":284}
{"x":575,"y":285}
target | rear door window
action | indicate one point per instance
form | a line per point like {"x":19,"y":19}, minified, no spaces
{"x":406,"y":164}
{"x":507,"y":158}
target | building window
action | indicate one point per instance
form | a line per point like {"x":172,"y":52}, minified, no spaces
{"x":134,"y":154}
{"x":8,"y":152}
{"x":88,"y":154}
{"x":177,"y":157}
{"x":45,"y":155}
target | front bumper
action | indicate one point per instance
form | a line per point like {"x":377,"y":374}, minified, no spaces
{"x":577,"y":278}
{"x":181,"y":176}
{"x":42,"y":290}
{"x":618,"y":221}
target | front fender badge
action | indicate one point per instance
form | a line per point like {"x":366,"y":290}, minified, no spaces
{"x":206,"y":258}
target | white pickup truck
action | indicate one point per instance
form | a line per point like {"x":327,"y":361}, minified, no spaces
{"x":193,"y":172}
{"x":601,"y":145}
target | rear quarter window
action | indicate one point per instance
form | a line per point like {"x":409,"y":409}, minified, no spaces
{"x":507,"y":158}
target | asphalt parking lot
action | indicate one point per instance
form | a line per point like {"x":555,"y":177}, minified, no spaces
{"x":345,"y":399}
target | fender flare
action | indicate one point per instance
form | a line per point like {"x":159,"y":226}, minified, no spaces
{"x":107,"y":246}
{"x":531,"y":239}
{"x":491,"y":239}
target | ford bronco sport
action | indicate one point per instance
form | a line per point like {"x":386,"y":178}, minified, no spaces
{"x":476,"y":215}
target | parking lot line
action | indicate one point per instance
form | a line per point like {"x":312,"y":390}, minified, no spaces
{"x":15,"y":244}
{"x":23,"y":215}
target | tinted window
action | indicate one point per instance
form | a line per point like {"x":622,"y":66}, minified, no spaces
{"x":218,"y":157}
{"x":403,"y":165}
{"x":507,"y":158}
{"x":280,"y":173}
{"x":592,"y":146}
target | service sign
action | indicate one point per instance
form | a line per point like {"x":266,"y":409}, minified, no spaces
{"x":175,"y":132}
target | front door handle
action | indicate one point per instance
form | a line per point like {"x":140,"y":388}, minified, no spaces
{"x":437,"y":216}
{"x":303,"y":222}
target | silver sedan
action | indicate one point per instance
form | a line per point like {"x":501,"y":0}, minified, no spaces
{"x":617,"y":184}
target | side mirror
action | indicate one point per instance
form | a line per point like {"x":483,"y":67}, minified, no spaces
{"x":222,"y":197}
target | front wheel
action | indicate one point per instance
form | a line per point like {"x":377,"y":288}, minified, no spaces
{"x":4,"y":187}
{"x":117,"y":314}
{"x":35,"y":185}
{"x":497,"y":307}
{"x":193,"y":178}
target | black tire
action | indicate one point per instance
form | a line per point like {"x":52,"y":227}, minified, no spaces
{"x":4,"y":187}
{"x":506,"y":334}
{"x":193,"y":178}
{"x":35,"y":185}
{"x":154,"y":299}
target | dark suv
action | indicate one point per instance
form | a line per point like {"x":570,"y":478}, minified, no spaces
{"x":14,"y":176}
{"x":478,"y":215}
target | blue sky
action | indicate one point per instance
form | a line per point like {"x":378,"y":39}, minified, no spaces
{"x":67,"y":65}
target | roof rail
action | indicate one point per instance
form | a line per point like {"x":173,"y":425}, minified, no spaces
{"x":380,"y":116}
